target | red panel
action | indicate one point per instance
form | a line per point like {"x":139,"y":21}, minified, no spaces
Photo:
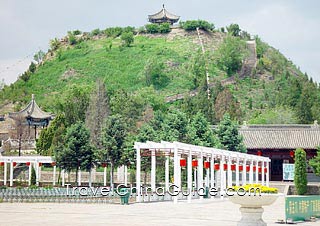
{"x":53,"y":163}
{"x":183,"y":162}
{"x":28,"y":163}
{"x":240,"y":168}
{"x":1,"y":163}
{"x":207,"y":165}
{"x":194,"y":163}
{"x":216,"y":166}
{"x":104,"y":165}
{"x":233,"y":167}
{"x":14,"y":163}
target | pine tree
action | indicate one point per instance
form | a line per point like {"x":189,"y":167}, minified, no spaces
{"x":229,"y":136}
{"x":300,"y":171}
{"x":33,"y":176}
{"x":97,"y":112}
{"x":315,"y":163}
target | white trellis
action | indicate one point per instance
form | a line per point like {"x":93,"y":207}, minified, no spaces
{"x":225,"y":161}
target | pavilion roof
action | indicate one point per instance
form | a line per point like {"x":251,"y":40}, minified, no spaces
{"x":32,"y":110}
{"x":281,"y":136}
{"x":163,"y":13}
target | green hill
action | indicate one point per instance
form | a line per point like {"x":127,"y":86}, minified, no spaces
{"x":252,"y":82}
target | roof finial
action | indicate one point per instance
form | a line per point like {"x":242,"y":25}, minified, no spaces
{"x":32,"y":96}
{"x":163,"y":6}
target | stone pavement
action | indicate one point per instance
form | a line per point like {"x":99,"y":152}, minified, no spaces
{"x":213,"y":212}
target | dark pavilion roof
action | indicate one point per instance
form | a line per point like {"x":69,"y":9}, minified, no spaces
{"x":162,"y":16}
{"x":281,"y":136}
{"x":31,"y":111}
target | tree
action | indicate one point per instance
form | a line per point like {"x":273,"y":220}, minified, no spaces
{"x":76,"y":152}
{"x":315,"y":163}
{"x":127,"y":38}
{"x":234,"y":29}
{"x":164,"y":28}
{"x":152,"y":28}
{"x":200,"y":133}
{"x":33,"y":179}
{"x":305,"y":103}
{"x":32,"y":67}
{"x":98,"y":110}
{"x":191,"y":25}
{"x":155,"y":74}
{"x":226,"y":103}
{"x":55,"y":44}
{"x":174,"y":126}
{"x":38,"y":56}
{"x":300,"y":171}
{"x":113,"y":136}
{"x":229,"y":136}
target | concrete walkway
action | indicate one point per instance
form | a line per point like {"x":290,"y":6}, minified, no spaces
{"x":207,"y":212}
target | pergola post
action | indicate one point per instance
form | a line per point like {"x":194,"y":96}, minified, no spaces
{"x":5,"y":174}
{"x":212,"y":172}
{"x":200,"y":172}
{"x":257,"y":172}
{"x":262,"y":173}
{"x":175,"y":173}
{"x":251,"y":172}
{"x":11,"y":174}
{"x":105,"y":176}
{"x":222,"y":175}
{"x":207,"y":174}
{"x":153,"y":170}
{"x":167,"y":172}
{"x":90,"y":177}
{"x":229,"y":172}
{"x":125,"y":175}
{"x":62,"y":178}
{"x":244,"y":172}
{"x":189,"y":176}
{"x":39,"y":174}
{"x":237,"y":171}
{"x":54,"y":174}
{"x":138,"y":175}
{"x":267,"y":175}
{"x":79,"y":177}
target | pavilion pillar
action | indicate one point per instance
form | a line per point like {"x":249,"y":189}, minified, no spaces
{"x":257,"y":172}
{"x":212,"y":172}
{"x":195,"y":178}
{"x":189,"y":176}
{"x":222,"y":175}
{"x":5,"y":174}
{"x":229,"y":172}
{"x":207,"y":174}
{"x":62,"y":178}
{"x":251,"y":172}
{"x":105,"y":176}
{"x":262,"y":173}
{"x":179,"y":173}
{"x":29,"y":176}
{"x":200,"y":173}
{"x":237,"y":171}
{"x":138,"y":175}
{"x":125,"y":175}
{"x":244,"y":172}
{"x":153,"y":170}
{"x":11,"y":173}
{"x":39,"y":173}
{"x":79,"y":177}
{"x":54,"y":174}
{"x":267,"y":175}
{"x":167,"y":173}
{"x":176,"y":166}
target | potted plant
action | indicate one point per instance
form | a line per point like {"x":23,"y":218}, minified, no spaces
{"x":252,"y":197}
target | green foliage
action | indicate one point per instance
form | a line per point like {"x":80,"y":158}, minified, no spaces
{"x":164,"y":28}
{"x":261,"y":47}
{"x":155,"y":74}
{"x":55,"y":44}
{"x":76,"y":152}
{"x":191,"y":25}
{"x":305,"y":103}
{"x":198,"y":69}
{"x":33,"y":177}
{"x":25,"y":76}
{"x":95,"y":32}
{"x":315,"y":163}
{"x":234,"y":29}
{"x":127,"y":38}
{"x":32,"y":67}
{"x":72,"y":39}
{"x":76,"y":32}
{"x":230,"y":55}
{"x":300,"y":171}
{"x":278,"y":115}
{"x":152,"y":28}
{"x":113,"y":32}
{"x":38,"y":56}
{"x":229,"y":136}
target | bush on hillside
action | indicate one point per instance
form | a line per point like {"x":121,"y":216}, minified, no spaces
{"x":152,"y":28}
{"x":113,"y":31}
{"x":191,"y":25}
{"x":127,"y":38}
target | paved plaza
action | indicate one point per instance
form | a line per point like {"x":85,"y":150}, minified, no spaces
{"x":201,"y":212}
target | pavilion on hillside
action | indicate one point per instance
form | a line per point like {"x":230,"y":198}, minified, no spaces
{"x":163,"y":16}
{"x":32,"y":116}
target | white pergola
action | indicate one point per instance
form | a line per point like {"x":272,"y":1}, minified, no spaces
{"x":35,"y":161}
{"x":215,"y":158}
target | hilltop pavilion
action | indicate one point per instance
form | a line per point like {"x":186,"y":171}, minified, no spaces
{"x":163,"y":16}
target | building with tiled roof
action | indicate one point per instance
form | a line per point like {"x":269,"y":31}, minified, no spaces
{"x":163,"y":16}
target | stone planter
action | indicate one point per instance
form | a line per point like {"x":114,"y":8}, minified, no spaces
{"x":251,"y":207}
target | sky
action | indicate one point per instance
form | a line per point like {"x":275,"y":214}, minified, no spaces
{"x":292,"y":26}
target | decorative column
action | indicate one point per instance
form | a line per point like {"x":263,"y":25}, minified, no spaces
{"x":262,"y":172}
{"x":251,"y":172}
{"x":167,"y":172}
{"x":267,"y":175}
{"x":138,"y":175}
{"x":229,"y":172}
{"x":54,"y":174}
{"x":244,"y":172}
{"x":237,"y":171}
{"x":176,"y":166}
{"x":212,"y":173}
{"x":11,"y":173}
{"x":257,"y":172}
{"x":189,"y":176}
{"x":5,"y":174}
{"x":200,"y":172}
{"x":153,"y":170}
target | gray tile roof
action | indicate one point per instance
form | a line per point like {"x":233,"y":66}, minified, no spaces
{"x":281,"y":136}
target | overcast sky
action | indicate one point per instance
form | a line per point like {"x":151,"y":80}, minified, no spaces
{"x":292,"y":26}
